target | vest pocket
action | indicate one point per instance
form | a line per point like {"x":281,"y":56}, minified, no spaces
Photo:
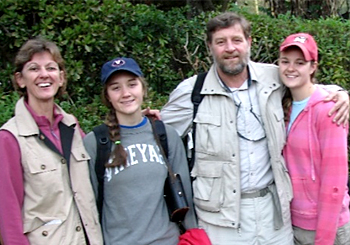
{"x":45,"y":182}
{"x":279,"y":127}
{"x":208,"y":140}
{"x":207,"y":187}
{"x":43,"y":172}
{"x":40,"y":232}
{"x":42,"y":167}
{"x":80,"y":154}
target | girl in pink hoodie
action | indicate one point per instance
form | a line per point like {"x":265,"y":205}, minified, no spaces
{"x":316,"y":150}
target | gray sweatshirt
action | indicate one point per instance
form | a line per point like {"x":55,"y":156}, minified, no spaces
{"x":134,"y":209}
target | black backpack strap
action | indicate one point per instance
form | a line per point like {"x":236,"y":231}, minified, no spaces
{"x":160,"y":131}
{"x":103,"y":145}
{"x":196,"y":98}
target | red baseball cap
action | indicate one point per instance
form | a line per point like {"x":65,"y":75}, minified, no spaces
{"x":305,"y":42}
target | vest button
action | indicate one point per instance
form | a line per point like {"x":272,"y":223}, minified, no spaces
{"x":78,"y":228}
{"x":63,"y":161}
{"x":43,"y":167}
{"x":83,"y":155}
{"x":44,"y":233}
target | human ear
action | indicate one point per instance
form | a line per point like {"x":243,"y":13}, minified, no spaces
{"x":249,"y":40}
{"x":62,"y":78}
{"x":19,"y":80}
{"x":313,"y":67}
{"x":209,"y":45}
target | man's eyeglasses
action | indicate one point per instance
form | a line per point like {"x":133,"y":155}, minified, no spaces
{"x":255,"y":130}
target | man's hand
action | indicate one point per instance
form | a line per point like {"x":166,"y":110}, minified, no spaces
{"x":341,"y":107}
{"x":151,"y":113}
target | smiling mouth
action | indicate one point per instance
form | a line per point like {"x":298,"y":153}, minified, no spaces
{"x":44,"y":85}
{"x":127,"y":102}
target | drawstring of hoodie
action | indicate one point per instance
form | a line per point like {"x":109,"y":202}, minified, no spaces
{"x":313,"y":175}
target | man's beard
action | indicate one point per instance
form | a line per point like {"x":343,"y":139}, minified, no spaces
{"x":229,"y":70}
{"x":233,"y":69}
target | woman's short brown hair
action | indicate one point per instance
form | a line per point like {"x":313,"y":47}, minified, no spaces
{"x":26,"y":53}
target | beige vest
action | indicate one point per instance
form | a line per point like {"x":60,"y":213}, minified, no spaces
{"x":58,"y":201}
{"x":216,"y":190}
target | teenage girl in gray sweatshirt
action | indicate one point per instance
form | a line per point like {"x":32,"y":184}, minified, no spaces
{"x":134,"y":210}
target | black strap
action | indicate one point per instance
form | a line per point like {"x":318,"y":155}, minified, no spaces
{"x":196,"y":98}
{"x":160,"y":131}
{"x":102,"y":154}
{"x":67,"y":134}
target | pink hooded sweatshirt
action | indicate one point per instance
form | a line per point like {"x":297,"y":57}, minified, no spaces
{"x":317,"y":160}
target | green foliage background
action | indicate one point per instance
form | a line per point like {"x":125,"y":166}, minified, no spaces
{"x":167,"y":45}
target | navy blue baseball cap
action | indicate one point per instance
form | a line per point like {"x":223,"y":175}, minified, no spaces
{"x":119,"y":64}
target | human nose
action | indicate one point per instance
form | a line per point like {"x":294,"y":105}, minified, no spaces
{"x":125,"y":91}
{"x":43,"y":73}
{"x":289,"y":66}
{"x":230,"y":47}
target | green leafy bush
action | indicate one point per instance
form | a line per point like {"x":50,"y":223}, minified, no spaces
{"x":7,"y":105}
{"x":168,"y":45}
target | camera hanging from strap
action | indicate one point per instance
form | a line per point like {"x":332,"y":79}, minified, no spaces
{"x":174,"y":192}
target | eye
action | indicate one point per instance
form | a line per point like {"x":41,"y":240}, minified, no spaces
{"x":33,"y":68}
{"x":133,"y":84}
{"x":115,"y":87}
{"x":52,"y":68}
{"x":220,"y":42}
{"x":284,"y":62}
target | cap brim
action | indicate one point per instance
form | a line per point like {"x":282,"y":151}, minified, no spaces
{"x":306,"y":53}
{"x":114,"y":71}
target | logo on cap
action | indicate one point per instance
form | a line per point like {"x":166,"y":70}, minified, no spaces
{"x":300,"y":39}
{"x":117,"y":63}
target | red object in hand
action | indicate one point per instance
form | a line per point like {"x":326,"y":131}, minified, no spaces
{"x":194,"y":236}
